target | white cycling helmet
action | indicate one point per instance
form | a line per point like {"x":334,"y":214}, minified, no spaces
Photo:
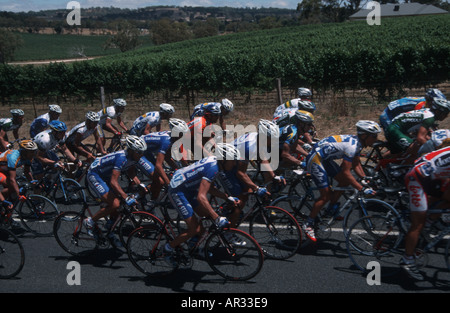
{"x":434,"y":93}
{"x":440,"y":104}
{"x":17,"y":112}
{"x":119,"y":102}
{"x":367,"y":127}
{"x":227,"y":105}
{"x":268,"y":128}
{"x":304,"y":93}
{"x":227,"y":151}
{"x":136,"y":143}
{"x":166,"y":108}
{"x":55,"y":108}
{"x":92,"y":116}
{"x":306,"y":106}
{"x":178,"y":126}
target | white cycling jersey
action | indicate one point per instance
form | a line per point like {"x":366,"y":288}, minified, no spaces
{"x":79,"y":129}
{"x":437,"y":137}
{"x":151,"y":118}
{"x":109,"y":112}
{"x":46,"y":141}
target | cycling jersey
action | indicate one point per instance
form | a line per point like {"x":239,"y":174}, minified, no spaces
{"x":437,"y":137}
{"x":285,"y":116}
{"x":320,"y":161}
{"x":7,"y":124}
{"x":400,"y":106}
{"x":10,"y":159}
{"x":289,"y":135}
{"x":398,"y":132}
{"x":151,"y":118}
{"x":158,"y":142}
{"x":109,"y":112}
{"x":78,"y":129}
{"x":429,"y":176}
{"x":247,"y":145}
{"x":291,"y":104}
{"x":199,"y":111}
{"x":100,"y":171}
{"x":46,"y":141}
{"x":186,"y":181}
{"x":40,"y":124}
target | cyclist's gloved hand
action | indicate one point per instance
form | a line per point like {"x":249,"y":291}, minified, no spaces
{"x":280,"y":180}
{"x":368,"y":191}
{"x":130,"y":200}
{"x":6,"y":204}
{"x":261,"y":191}
{"x":222,"y":222}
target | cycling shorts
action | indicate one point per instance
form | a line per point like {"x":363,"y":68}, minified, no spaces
{"x":184,"y":204}
{"x":97,"y":184}
{"x":398,"y":142}
{"x":321,"y":171}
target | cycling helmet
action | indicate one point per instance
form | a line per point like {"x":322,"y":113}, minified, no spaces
{"x":227,"y":105}
{"x":28,"y":145}
{"x":178,"y":126}
{"x":367,"y":127}
{"x":306,"y":106}
{"x":304,"y":117}
{"x":268,"y":128}
{"x":17,"y":112}
{"x":434,"y":93}
{"x":119,"y":102}
{"x":166,"y":108}
{"x":58,"y":126}
{"x":92,"y":116}
{"x":304,"y":93}
{"x":440,"y":104}
{"x":55,"y":108}
{"x":226,"y":151}
{"x":212,"y":108}
{"x":136,"y":143}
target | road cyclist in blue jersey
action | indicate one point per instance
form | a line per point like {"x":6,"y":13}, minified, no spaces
{"x":188,"y":191}
{"x":321,"y":164}
{"x":144,"y":124}
{"x":41,"y":122}
{"x":103,"y":179}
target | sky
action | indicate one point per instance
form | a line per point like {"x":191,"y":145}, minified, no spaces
{"x":37,"y":5}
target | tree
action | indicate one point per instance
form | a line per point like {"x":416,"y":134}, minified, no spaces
{"x":9,"y":43}
{"x":126,"y":37}
{"x":165,"y":31}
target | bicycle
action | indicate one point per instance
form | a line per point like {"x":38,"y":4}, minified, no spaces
{"x":276,"y":230}
{"x":35,"y":212}
{"x":72,"y":235}
{"x":12,"y":254}
{"x":381,"y":237}
{"x":145,"y":248}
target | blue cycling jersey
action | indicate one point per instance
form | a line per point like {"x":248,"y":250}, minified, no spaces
{"x":158,"y":142}
{"x":188,"y":179}
{"x":339,"y":147}
{"x":151,"y":118}
{"x":10,"y":159}
{"x":39,"y":124}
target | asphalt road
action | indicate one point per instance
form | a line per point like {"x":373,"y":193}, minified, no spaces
{"x":323,"y":268}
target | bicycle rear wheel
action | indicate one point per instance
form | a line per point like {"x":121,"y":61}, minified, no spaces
{"x":37,"y":214}
{"x":70,"y":196}
{"x":277,"y":232}
{"x":72,"y":235}
{"x":231,"y":261}
{"x":145,"y":248}
{"x":12,"y":255}
{"x":375,"y":238}
{"x":133,"y":221}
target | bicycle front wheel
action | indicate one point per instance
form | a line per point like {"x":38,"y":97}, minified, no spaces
{"x":277,"y":232}
{"x":375,"y":238}
{"x":234,"y":254}
{"x":72,"y":235}
{"x":133,"y":221}
{"x":12,"y":255}
{"x":37,"y":214}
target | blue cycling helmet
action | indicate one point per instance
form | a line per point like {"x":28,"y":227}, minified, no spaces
{"x":58,"y":126}
{"x":212,"y":108}
{"x":434,"y":93}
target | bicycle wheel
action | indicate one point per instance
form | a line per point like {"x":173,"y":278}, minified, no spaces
{"x":70,"y":196}
{"x":12,"y":254}
{"x":131,"y":222}
{"x":72,"y":236}
{"x":375,"y":238}
{"x":234,"y":262}
{"x":37,"y":214}
{"x":298,"y":206}
{"x":145,"y":248}
{"x":277,"y":232}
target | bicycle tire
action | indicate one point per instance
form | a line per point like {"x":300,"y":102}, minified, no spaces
{"x":37,"y":214}
{"x":375,"y":238}
{"x":277,"y":232}
{"x":73,"y":195}
{"x":131,"y":222}
{"x":232,"y":262}
{"x":298,"y":206}
{"x":72,"y":236}
{"x":12,"y":254}
{"x":145,"y":248}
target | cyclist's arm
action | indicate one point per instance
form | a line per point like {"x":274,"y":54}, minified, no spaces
{"x":202,"y":199}
{"x":79,"y":147}
{"x":41,"y":156}
{"x":110,"y":127}
{"x":357,"y":167}
{"x":286,"y":155}
{"x":242,"y":175}
{"x":67,"y":153}
{"x":160,"y":169}
{"x":99,"y":143}
{"x":3,"y":142}
{"x":115,"y":186}
{"x":346,"y":167}
{"x":148,"y":129}
{"x":422,"y":135}
{"x":12,"y":182}
{"x":16,"y":133}
{"x":121,"y":124}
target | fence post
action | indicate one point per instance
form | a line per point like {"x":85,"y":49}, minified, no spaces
{"x":102,"y":96}
{"x":280,"y":98}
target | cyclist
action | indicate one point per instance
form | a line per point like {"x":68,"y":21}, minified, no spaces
{"x":10,"y":124}
{"x":41,"y":122}
{"x":236,"y":180}
{"x":320,"y":163}
{"x":198,"y":176}
{"x":159,"y":150}
{"x":144,"y":123}
{"x":407,"y":104}
{"x":427,"y":182}
{"x":81,"y":132}
{"x":226,"y":107}
{"x":107,"y":115}
{"x":420,"y":122}
{"x":47,"y":141}
{"x":10,"y":161}
{"x":303,"y":102}
{"x":438,"y":137}
{"x":103,"y":179}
